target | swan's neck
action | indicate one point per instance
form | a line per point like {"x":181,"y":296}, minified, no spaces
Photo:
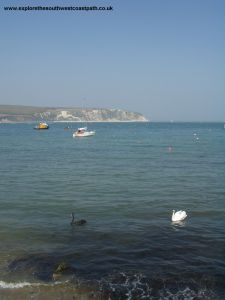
{"x":72,"y":215}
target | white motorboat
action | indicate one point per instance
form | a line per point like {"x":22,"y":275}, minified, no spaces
{"x":83,"y":132}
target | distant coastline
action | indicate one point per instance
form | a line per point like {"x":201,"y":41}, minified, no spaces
{"x":29,"y":114}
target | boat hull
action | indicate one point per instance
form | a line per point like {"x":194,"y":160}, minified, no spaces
{"x":41,"y":126}
{"x":84,"y":134}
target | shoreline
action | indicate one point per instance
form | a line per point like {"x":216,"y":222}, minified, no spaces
{"x":121,"y":286}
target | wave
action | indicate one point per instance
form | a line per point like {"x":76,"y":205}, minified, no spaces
{"x":18,"y":285}
{"x":128,"y":286}
{"x":13,"y":285}
{"x":138,"y":286}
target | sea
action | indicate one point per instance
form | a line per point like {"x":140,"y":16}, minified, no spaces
{"x":124,"y":181}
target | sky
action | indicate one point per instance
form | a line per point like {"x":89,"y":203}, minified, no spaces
{"x":162,"y":58}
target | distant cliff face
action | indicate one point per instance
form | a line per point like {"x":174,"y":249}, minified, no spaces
{"x":11,"y":113}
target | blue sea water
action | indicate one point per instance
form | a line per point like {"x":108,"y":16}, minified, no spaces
{"x":125,"y":181}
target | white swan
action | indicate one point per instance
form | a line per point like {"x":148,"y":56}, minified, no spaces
{"x":179,"y":215}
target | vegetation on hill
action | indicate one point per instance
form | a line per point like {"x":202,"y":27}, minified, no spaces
{"x":13,"y":113}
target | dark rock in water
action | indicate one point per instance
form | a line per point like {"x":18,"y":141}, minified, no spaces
{"x":37,"y":266}
{"x":40,"y":266}
{"x":62,"y":269}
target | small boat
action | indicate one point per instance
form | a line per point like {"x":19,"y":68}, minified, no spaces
{"x":42,"y":125}
{"x":83,"y":132}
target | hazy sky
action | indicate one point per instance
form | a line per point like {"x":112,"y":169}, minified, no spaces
{"x":162,"y":58}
